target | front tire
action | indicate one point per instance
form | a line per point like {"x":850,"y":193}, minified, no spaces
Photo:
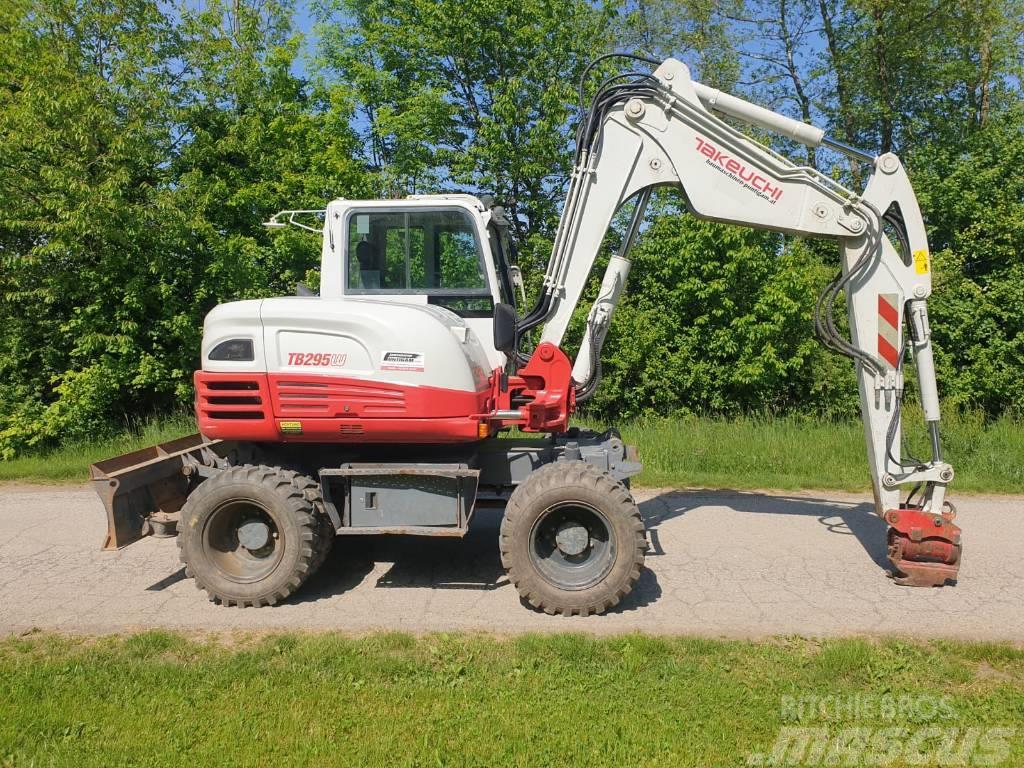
{"x":252,"y":535}
{"x":572,"y":540}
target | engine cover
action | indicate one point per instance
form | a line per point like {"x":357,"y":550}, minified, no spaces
{"x":342,"y":370}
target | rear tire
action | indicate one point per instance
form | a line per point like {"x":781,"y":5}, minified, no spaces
{"x":572,"y":540}
{"x":252,"y":535}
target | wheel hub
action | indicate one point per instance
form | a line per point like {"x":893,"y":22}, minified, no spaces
{"x":572,"y":545}
{"x":243,"y":541}
{"x":572,"y":538}
{"x":253,"y":534}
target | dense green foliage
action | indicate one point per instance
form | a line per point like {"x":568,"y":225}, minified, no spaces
{"x":140,"y":152}
{"x":974,"y":198}
{"x":718,"y":321}
{"x":456,"y":700}
{"x":141,"y":145}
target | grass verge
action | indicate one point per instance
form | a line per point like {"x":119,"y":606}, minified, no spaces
{"x":154,"y":698}
{"x":783,"y":453}
{"x":70,"y":462}
{"x":791,"y":453}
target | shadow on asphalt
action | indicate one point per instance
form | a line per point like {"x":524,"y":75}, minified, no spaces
{"x":470,"y":563}
{"x":473,"y":562}
{"x":164,"y":583}
{"x":858,"y":520}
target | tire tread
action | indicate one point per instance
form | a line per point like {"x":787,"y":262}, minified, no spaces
{"x":557,"y":476}
{"x":300,"y":498}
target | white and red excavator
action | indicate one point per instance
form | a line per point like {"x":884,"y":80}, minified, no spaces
{"x":377,"y":405}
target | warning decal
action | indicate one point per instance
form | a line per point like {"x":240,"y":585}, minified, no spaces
{"x":402,"y":361}
{"x":889,"y":328}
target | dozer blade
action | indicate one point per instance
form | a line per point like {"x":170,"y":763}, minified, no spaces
{"x":924,"y":548}
{"x":137,"y":486}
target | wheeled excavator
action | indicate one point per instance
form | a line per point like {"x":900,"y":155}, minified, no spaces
{"x":380,"y":405}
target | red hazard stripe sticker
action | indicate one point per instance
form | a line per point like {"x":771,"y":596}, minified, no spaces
{"x":889,"y":328}
{"x":887,"y":309}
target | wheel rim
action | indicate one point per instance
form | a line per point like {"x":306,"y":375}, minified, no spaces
{"x":242,"y":540}
{"x":572,"y":546}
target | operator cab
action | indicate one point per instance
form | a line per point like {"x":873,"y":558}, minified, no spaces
{"x":450,"y":251}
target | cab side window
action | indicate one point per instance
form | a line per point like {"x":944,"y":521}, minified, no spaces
{"x":414,"y":251}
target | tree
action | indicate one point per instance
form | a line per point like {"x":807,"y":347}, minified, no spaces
{"x":258,"y":139}
{"x":780,"y":50}
{"x":87,"y":241}
{"x":908,"y":72}
{"x":974,"y":199}
{"x":141,"y":146}
{"x":140,"y":153}
{"x":698,"y":32}
{"x":467,"y":95}
{"x":718,"y":320}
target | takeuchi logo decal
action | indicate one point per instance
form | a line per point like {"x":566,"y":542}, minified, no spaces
{"x":734,"y":169}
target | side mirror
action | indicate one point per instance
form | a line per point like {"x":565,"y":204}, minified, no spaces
{"x":504,"y":327}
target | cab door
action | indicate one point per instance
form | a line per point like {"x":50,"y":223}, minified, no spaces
{"x":424,"y":255}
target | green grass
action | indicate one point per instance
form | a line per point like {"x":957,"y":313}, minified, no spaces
{"x":70,"y":462}
{"x":783,"y":453}
{"x":791,"y":453}
{"x":391,"y":700}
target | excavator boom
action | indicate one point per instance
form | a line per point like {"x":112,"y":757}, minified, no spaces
{"x":661,"y":130}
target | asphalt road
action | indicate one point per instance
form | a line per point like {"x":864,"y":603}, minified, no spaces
{"x":721,"y":563}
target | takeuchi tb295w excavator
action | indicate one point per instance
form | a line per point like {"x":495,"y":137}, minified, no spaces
{"x":376,"y":406}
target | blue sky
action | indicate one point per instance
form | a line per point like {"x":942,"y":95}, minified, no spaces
{"x":306,"y":24}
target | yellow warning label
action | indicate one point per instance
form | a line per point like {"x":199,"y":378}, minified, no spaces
{"x":291,"y":427}
{"x":921,"y":262}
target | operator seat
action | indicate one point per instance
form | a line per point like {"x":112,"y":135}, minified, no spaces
{"x":369,"y":264}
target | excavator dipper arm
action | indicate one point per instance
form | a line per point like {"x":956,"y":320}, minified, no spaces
{"x":661,"y":130}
